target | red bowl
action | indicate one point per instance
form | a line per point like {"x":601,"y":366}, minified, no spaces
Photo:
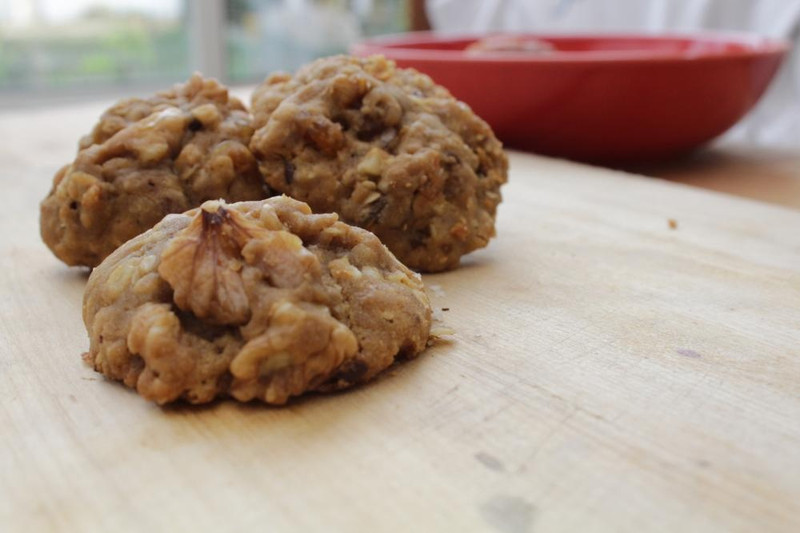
{"x":599,"y":98}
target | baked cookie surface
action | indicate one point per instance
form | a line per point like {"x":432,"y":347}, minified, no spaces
{"x":147,"y":158}
{"x":255,"y":300}
{"x":385,"y":148}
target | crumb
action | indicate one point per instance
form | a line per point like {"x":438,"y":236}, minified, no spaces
{"x":673,"y":224}
{"x":442,"y":331}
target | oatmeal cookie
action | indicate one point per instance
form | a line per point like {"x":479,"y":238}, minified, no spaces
{"x":386,"y":149}
{"x":254,"y":300}
{"x":144,"y":159}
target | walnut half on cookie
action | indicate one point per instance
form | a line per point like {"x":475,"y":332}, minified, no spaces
{"x":254,"y":300}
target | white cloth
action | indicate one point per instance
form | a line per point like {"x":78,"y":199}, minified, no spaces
{"x":774,"y":121}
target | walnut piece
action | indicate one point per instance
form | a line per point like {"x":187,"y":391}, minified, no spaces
{"x":147,"y":158}
{"x":386,"y":149}
{"x":203,"y":266}
{"x":253,"y":300}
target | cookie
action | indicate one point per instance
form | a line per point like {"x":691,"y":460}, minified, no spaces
{"x":385,"y":148}
{"x":252,"y":300}
{"x":147,"y":158}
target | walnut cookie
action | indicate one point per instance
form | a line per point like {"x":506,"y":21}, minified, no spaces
{"x":254,"y":300}
{"x":386,"y":149}
{"x":147,"y":158}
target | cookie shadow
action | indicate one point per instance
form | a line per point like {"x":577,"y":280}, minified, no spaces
{"x":69,"y":275}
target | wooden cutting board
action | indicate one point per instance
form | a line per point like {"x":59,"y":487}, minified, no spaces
{"x":607,"y":373}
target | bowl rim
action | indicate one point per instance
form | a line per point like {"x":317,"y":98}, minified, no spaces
{"x":392,"y":46}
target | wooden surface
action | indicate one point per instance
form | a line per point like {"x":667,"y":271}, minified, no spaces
{"x":767,"y":174}
{"x":607,"y":373}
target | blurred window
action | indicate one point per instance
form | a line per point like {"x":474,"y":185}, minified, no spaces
{"x":51,"y":46}
{"x":57,"y":48}
{"x":268,"y":35}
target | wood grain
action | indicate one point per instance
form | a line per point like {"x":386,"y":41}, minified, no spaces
{"x":607,"y":373}
{"x":767,"y":174}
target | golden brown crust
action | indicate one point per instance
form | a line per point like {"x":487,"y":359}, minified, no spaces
{"x":255,"y":300}
{"x":147,"y":158}
{"x":386,"y":149}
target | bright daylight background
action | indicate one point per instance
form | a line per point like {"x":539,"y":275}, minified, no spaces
{"x":56,"y":49}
